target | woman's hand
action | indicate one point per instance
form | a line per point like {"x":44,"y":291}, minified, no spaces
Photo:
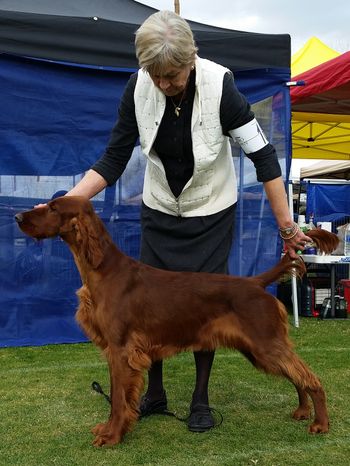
{"x":297,"y":243}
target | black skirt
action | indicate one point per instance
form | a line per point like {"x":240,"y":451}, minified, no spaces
{"x":195,"y":244}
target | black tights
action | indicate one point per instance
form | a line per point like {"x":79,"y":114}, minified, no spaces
{"x":204,"y":361}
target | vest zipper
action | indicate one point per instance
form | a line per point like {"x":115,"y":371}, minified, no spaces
{"x":178,"y":207}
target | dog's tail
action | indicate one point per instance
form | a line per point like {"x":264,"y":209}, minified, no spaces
{"x":325,"y":241}
{"x":285,"y":268}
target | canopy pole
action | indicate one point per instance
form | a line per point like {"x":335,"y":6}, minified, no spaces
{"x":177,"y":6}
{"x":293,"y":278}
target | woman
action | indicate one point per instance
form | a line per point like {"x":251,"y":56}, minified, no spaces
{"x":184,"y":110}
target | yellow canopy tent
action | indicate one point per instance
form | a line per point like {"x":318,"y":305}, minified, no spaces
{"x":321,"y":108}
{"x":312,"y":54}
{"x":320,"y":136}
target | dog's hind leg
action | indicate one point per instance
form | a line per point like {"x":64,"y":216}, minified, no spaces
{"x":307,"y":383}
{"x":281,"y":360}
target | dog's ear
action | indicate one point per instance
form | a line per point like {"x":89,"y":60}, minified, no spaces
{"x":88,"y":239}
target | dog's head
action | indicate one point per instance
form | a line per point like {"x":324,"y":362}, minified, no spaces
{"x":74,"y":220}
{"x":56,"y":218}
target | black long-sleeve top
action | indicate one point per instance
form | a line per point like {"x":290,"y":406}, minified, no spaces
{"x":173,"y":142}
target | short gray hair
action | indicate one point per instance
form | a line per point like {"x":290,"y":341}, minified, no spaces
{"x":164,"y":39}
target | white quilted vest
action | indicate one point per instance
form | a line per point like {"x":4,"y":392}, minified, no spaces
{"x":213,"y":186}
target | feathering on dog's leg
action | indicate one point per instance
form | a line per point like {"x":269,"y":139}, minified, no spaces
{"x":294,"y":369}
{"x":303,"y":410}
{"x":112,"y":432}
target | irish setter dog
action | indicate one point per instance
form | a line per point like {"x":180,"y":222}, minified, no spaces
{"x":138,"y":314}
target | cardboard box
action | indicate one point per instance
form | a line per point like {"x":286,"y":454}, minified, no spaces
{"x":325,"y":225}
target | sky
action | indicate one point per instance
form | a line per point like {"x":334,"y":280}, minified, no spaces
{"x":301,"y":19}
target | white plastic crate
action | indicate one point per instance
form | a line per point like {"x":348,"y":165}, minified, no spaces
{"x":321,"y":294}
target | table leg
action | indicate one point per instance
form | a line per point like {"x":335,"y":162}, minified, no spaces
{"x":332,"y":290}
{"x":295,"y":301}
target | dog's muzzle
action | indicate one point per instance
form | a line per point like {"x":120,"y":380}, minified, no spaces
{"x":19,"y":218}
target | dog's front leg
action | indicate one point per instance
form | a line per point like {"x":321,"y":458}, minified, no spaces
{"x":303,"y":410}
{"x":99,"y":428}
{"x":112,"y":432}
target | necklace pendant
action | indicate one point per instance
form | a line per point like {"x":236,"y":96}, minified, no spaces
{"x":177,"y":111}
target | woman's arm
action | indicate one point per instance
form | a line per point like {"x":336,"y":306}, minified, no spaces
{"x":91,"y":184}
{"x":276,"y":194}
{"x":123,"y":138}
{"x":238,"y":121}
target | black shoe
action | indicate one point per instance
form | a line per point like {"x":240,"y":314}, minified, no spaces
{"x":148,"y":407}
{"x":200,"y":419}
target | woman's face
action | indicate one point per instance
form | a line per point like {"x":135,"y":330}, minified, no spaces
{"x":172,"y":81}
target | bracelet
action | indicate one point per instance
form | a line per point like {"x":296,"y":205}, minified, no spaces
{"x":290,"y":232}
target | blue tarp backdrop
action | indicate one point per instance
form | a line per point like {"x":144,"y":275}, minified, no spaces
{"x":328,"y":202}
{"x":55,"y":121}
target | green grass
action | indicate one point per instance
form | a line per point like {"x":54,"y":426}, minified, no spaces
{"x":47,"y":409}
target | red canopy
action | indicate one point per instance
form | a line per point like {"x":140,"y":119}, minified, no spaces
{"x":326,"y":89}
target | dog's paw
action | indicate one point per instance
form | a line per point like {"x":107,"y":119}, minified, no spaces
{"x":107,"y":439}
{"x":302,"y":413}
{"x":319,"y":428}
{"x":99,"y":428}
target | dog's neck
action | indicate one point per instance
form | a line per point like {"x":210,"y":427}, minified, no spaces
{"x":92,"y":249}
